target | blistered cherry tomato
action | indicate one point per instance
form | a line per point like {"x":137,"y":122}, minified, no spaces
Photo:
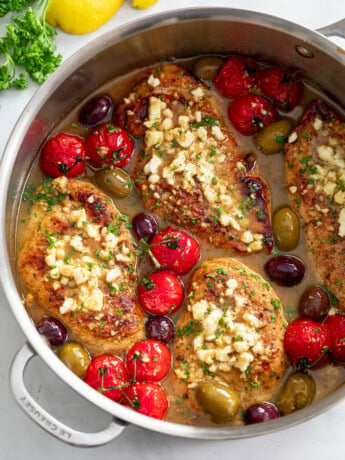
{"x":148,"y":399}
{"x":236,"y":76}
{"x":281,"y":85}
{"x":160,"y":328}
{"x":96,"y":110}
{"x":106,"y":372}
{"x":307,"y":343}
{"x":175,"y":250}
{"x":161,"y":293}
{"x":336,"y":326}
{"x":108,"y":144}
{"x":53,"y":330}
{"x":250,"y":113}
{"x":60,"y":155}
{"x":148,"y":360}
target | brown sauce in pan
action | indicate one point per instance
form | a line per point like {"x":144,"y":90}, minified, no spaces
{"x":272,"y":167}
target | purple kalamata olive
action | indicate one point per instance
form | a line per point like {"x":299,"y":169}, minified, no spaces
{"x":53,"y":330}
{"x":285,"y":270}
{"x":262,"y":412}
{"x":160,"y":328}
{"x":96,"y":111}
{"x":314,"y":303}
{"x":144,"y":226}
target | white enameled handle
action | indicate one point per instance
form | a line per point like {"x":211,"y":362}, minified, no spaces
{"x":45,"y":420}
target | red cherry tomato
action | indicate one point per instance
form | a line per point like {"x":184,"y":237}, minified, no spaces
{"x":60,"y":153}
{"x":108,"y":144}
{"x":106,"y":372}
{"x":281,"y":85}
{"x":236,"y":77}
{"x":175,"y":250}
{"x":307,"y":343}
{"x":148,"y":360}
{"x":161,"y":293}
{"x":336,"y":326}
{"x":250,"y":113}
{"x":148,"y":399}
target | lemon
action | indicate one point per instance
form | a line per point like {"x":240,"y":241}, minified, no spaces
{"x":143,"y":4}
{"x":80,"y":16}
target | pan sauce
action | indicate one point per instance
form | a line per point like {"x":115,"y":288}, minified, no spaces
{"x":327,"y":379}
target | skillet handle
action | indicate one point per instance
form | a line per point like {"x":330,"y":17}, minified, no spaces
{"x":337,"y":29}
{"x":45,"y":420}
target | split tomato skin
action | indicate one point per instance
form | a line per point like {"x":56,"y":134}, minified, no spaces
{"x":148,"y":399}
{"x":60,"y":153}
{"x":307,"y":343}
{"x":107,"y":371}
{"x":161,"y":293}
{"x":281,"y":85}
{"x":251,"y":113}
{"x":236,"y":77}
{"x":336,"y":326}
{"x":175,"y":250}
{"x":148,"y":360}
{"x":108,"y":144}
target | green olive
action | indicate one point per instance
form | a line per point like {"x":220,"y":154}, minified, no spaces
{"x":207,"y":68}
{"x":272,"y":138}
{"x":76,"y":357}
{"x":298,"y":392}
{"x":115,"y":181}
{"x":286,"y":229}
{"x":218,"y":400}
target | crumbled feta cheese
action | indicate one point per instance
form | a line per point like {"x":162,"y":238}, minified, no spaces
{"x":292,"y":137}
{"x":247,"y":237}
{"x":153,"y":138}
{"x":199,"y":309}
{"x":113,"y":274}
{"x":77,"y":243}
{"x":227,"y":219}
{"x":341,"y":221}
{"x":197,"y":93}
{"x":153,"y":165}
{"x":60,"y":183}
{"x":216,"y":131}
{"x":153,"y":81}
{"x":81,"y":275}
{"x":231,"y":285}
{"x":318,"y":124}
{"x":68,"y":305}
{"x":154,"y":112}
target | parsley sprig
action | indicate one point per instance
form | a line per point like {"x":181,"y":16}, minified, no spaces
{"x":27,"y":49}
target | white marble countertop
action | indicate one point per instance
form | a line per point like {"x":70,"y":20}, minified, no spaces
{"x":20,"y":438}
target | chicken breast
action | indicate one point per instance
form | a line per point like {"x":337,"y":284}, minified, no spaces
{"x":315,"y":180}
{"x":231,"y":332}
{"x":191,"y":170}
{"x":78,"y":262}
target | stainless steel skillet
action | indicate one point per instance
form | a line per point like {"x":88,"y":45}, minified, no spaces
{"x":180,"y":33}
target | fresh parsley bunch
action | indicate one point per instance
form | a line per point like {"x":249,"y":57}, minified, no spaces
{"x":12,"y":5}
{"x":28,"y":44}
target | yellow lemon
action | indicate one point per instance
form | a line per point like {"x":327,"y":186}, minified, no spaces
{"x":80,"y":16}
{"x":143,"y":4}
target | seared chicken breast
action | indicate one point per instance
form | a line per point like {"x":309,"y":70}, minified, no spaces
{"x":191,"y":170}
{"x":315,"y":180}
{"x":79,"y":263}
{"x":231,"y":332}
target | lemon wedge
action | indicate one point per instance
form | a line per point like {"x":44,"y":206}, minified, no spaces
{"x":80,"y":16}
{"x":143,"y":4}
